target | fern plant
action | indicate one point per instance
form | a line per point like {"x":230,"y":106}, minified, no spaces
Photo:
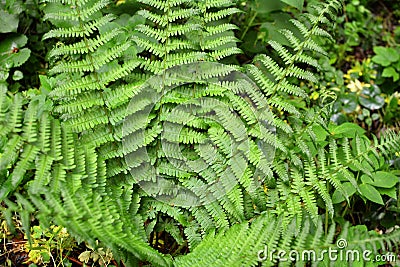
{"x":149,"y":134}
{"x":315,"y":159}
{"x":45,"y":168}
{"x":200,"y":120}
{"x":171,"y":44}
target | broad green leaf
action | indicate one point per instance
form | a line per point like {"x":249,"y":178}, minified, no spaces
{"x":349,"y":102}
{"x":8,"y":22}
{"x":18,"y":75}
{"x":280,"y":21}
{"x":15,"y":59}
{"x":370,"y":192}
{"x":320,"y":133}
{"x":370,"y":98}
{"x":339,"y":118}
{"x":391,"y":192}
{"x":385,"y":55}
{"x":13,"y":41}
{"x":295,"y":3}
{"x":384,"y":179}
{"x":347,"y":129}
{"x":390,"y":72}
{"x":11,"y":54}
{"x":44,"y":83}
{"x":338,"y":197}
{"x":263,"y":7}
{"x":365,"y":179}
{"x":375,"y":116}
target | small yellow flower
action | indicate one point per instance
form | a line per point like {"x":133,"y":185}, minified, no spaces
{"x":314,"y":95}
{"x":120,"y":2}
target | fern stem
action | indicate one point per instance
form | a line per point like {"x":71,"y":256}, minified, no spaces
{"x":310,"y":123}
{"x":106,"y":111}
{"x":249,"y":25}
{"x":178,"y":250}
{"x":327,"y":214}
{"x":345,"y":210}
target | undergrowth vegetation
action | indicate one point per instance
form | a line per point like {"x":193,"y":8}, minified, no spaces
{"x":199,"y":133}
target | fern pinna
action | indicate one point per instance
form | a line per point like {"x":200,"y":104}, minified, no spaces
{"x":152,"y":135}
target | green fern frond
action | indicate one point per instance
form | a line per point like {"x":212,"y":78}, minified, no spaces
{"x":79,"y":31}
{"x":91,"y":64}
{"x":215,"y":16}
{"x":82,"y":11}
{"x":85,"y":46}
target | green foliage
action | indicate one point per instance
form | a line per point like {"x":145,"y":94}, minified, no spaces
{"x":370,"y":185}
{"x":145,"y":143}
{"x":103,"y":257}
{"x":361,"y":100}
{"x":22,"y":54}
{"x":46,"y":241}
{"x":357,"y":28}
{"x":388,"y":58}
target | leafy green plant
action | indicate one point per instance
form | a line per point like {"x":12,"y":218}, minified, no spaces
{"x":360,"y":100}
{"x":12,"y":51}
{"x":389,"y":59}
{"x":371,"y":184}
{"x":135,"y":115}
{"x":22,"y":54}
{"x":45,"y":242}
{"x":263,"y":21}
{"x":358,"y":30}
{"x":100,"y":255}
{"x":13,"y":54}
